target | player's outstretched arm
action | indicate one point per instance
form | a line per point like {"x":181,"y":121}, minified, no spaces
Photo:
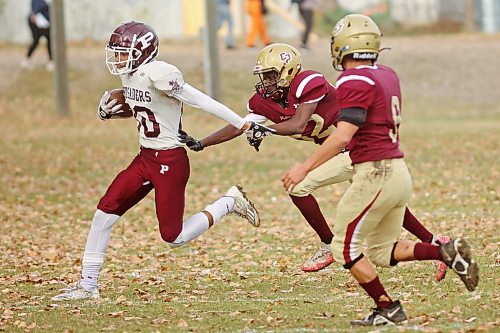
{"x":297,"y":123}
{"x":226,"y":133}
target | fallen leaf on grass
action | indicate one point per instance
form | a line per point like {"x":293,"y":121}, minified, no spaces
{"x":116,"y":314}
{"x":159,"y":321}
{"x":182,"y":323}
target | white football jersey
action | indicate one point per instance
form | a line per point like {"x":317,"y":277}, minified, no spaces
{"x":156,"y":93}
{"x":149,"y":93}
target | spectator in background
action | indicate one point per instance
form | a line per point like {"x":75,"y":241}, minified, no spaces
{"x":256,"y":9}
{"x":306,"y":10}
{"x":224,"y":15}
{"x":39,"y":22}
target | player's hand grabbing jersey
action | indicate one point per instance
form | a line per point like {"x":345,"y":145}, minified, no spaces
{"x":377,"y":90}
{"x":156,"y":92}
{"x":306,"y":87}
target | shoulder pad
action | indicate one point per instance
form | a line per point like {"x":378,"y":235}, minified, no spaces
{"x":165,"y":77}
{"x":309,"y":86}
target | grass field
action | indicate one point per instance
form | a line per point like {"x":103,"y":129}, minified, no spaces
{"x":236,"y":278}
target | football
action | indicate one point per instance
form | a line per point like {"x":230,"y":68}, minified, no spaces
{"x":120,"y":97}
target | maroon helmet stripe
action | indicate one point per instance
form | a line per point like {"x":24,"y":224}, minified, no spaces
{"x":351,"y":227}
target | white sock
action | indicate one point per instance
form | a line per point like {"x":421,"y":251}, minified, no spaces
{"x":220,"y":208}
{"x":191,"y":228}
{"x":97,"y":243}
{"x":325,"y":246}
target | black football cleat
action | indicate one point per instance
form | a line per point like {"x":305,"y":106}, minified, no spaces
{"x":457,"y":256}
{"x":392,"y":315}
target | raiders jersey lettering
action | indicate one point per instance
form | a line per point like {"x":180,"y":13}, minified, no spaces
{"x":307,"y":87}
{"x":158,"y":114}
{"x":377,"y":90}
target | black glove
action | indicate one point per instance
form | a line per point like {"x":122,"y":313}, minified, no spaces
{"x":256,"y":133}
{"x":190,"y":142}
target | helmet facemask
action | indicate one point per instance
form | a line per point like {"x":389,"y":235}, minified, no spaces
{"x":131,"y":45}
{"x":270,"y":85}
{"x":114,"y":54}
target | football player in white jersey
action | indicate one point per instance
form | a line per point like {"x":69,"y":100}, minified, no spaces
{"x":155,"y":91}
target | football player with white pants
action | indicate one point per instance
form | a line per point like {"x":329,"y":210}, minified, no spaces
{"x":155,"y":91}
{"x":303,"y":105}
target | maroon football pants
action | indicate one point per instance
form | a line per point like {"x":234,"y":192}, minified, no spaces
{"x":166,"y":171}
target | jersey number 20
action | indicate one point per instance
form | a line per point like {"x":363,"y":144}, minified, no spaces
{"x":149,"y":124}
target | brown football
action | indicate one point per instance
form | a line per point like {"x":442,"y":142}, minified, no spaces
{"x":118,"y":95}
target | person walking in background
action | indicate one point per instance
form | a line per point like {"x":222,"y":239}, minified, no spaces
{"x":256,"y":10}
{"x":39,"y":23}
{"x":224,"y":15}
{"x":306,"y":10}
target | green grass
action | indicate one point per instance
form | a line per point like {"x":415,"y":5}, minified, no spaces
{"x":236,"y":278}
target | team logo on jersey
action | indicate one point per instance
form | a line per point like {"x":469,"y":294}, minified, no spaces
{"x":164,"y":168}
{"x":175,"y":86}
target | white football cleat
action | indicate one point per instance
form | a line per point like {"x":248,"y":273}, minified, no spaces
{"x":242,"y":206}
{"x":75,"y":293}
{"x":319,"y":260}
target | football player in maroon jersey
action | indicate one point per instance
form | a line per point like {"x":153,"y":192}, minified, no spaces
{"x":303,"y":105}
{"x":155,"y":91}
{"x":373,"y":207}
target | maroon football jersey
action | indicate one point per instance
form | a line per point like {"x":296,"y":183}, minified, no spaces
{"x":307,"y":86}
{"x":376,"y":89}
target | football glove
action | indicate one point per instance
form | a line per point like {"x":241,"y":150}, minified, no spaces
{"x":256,"y":134}
{"x":191,"y":143}
{"x":108,"y":109}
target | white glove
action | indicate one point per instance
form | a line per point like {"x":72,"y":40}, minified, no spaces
{"x":106,"y":108}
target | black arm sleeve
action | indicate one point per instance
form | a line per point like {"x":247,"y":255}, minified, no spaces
{"x":355,"y":116}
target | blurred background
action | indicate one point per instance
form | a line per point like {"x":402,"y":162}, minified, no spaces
{"x":180,"y":19}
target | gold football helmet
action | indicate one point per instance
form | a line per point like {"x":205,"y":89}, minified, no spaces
{"x":355,"y":34}
{"x":277,"y":64}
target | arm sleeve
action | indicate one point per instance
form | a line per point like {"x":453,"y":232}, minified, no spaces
{"x":355,"y":116}
{"x":256,"y":118}
{"x":197,"y":99}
